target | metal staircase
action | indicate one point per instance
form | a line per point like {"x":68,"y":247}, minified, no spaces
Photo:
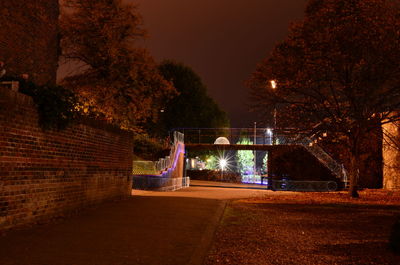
{"x":323,"y":157}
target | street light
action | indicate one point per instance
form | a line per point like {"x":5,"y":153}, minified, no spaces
{"x":255,"y":151}
{"x":274,"y":85}
{"x":222,"y":163}
{"x":270,"y":134}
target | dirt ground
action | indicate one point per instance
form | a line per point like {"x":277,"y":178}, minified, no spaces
{"x":307,"y":228}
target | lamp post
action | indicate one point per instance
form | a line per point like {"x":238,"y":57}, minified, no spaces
{"x":274,"y":86}
{"x":255,"y":151}
{"x":269,"y":132}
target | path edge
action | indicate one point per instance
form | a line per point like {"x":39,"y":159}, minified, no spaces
{"x":204,"y":246}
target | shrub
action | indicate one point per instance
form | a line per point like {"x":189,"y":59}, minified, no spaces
{"x":56,"y":105}
{"x":148,"y":148}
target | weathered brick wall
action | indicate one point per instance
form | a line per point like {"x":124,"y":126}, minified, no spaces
{"x":46,"y":173}
{"x":29,"y":38}
{"x":391,"y":156}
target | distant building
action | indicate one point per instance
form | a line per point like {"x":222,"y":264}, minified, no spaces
{"x":29,"y":38}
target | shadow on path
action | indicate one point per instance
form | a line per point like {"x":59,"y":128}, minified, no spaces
{"x":148,"y":228}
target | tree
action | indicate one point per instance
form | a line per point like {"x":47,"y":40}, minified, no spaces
{"x":245,"y":158}
{"x":264,"y":168}
{"x":211,"y":162}
{"x":337,"y":72}
{"x":192,"y":107}
{"x":116,"y":80}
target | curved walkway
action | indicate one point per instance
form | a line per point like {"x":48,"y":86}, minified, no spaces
{"x":148,"y":228}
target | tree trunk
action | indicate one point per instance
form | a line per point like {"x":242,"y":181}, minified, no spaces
{"x":354,"y":171}
{"x":354,"y":163}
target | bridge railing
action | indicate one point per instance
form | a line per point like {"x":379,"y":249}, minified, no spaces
{"x":257,"y":136}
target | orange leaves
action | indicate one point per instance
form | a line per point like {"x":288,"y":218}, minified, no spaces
{"x":342,"y":53}
{"x":120,"y":81}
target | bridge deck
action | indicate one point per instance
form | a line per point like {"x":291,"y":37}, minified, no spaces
{"x":263,"y":147}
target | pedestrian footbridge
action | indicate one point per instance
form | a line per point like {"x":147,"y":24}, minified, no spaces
{"x":187,"y":140}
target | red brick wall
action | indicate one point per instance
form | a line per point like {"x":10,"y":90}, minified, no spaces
{"x":29,"y":38}
{"x":391,"y":156}
{"x":46,"y":173}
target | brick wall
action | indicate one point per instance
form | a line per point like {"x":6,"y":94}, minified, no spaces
{"x":391,"y":156}
{"x":29,"y":38}
{"x":46,"y":173}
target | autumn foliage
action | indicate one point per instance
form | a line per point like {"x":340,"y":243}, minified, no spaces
{"x":337,"y":72}
{"x":117,"y":80}
{"x":29,"y":39}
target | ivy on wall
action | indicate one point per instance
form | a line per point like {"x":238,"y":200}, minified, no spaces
{"x":56,"y":104}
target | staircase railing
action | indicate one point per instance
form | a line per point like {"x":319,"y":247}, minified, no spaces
{"x":169,"y":162}
{"x":159,"y":174}
{"x":337,"y":169}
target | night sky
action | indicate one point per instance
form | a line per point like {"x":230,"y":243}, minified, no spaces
{"x":222,"y":40}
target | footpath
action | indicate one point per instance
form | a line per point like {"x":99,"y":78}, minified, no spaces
{"x":148,"y":228}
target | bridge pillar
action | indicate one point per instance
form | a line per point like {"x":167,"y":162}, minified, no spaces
{"x":270,"y":166}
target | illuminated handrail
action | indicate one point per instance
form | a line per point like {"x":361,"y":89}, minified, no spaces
{"x":159,"y":174}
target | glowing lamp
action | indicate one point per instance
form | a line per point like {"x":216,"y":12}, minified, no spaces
{"x":223,"y":163}
{"x":273,"y":84}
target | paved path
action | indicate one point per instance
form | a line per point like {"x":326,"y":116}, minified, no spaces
{"x":148,"y":228}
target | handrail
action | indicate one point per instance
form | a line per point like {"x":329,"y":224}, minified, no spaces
{"x":164,"y":165}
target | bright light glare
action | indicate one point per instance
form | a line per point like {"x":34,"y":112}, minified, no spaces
{"x":273,"y":84}
{"x":269,"y":131}
{"x":223,"y":163}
